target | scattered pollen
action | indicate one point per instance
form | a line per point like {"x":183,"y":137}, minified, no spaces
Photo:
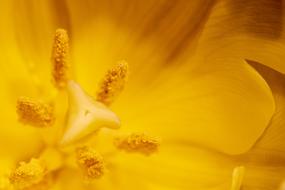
{"x":35,"y":113}
{"x":138,"y":142}
{"x":90,"y":162}
{"x":60,"y":58}
{"x":237,"y":178}
{"x":27,"y":174}
{"x":113,"y":83}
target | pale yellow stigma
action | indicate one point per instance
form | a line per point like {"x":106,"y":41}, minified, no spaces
{"x":85,"y":116}
{"x":60,"y":51}
{"x":27,"y":174}
{"x":113,"y":83}
{"x":90,"y":162}
{"x":35,"y":113}
{"x":138,"y":142}
{"x":237,"y":178}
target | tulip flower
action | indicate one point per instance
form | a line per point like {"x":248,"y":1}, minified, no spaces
{"x":146,"y":95}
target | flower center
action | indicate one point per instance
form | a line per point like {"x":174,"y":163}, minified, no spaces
{"x":85,"y":116}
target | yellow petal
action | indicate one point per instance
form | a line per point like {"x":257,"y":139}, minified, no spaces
{"x":263,"y":177}
{"x":17,"y":141}
{"x":174,"y":167}
{"x":225,"y":106}
{"x":273,"y":138}
{"x":245,"y":29}
{"x":85,"y":115}
{"x":184,"y":167}
{"x":26,"y":37}
{"x":110,"y":32}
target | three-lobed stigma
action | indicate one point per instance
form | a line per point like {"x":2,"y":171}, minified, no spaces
{"x":35,"y":113}
{"x":85,"y":116}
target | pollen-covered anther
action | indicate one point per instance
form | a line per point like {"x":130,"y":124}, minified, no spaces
{"x":138,"y":142}
{"x":35,"y":113}
{"x":27,"y":174}
{"x":90,"y":162}
{"x":60,"y":51}
{"x":113,"y":83}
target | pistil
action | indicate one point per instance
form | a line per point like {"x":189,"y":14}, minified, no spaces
{"x":85,"y":116}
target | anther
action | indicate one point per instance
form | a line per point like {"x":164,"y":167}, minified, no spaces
{"x":35,"y":113}
{"x":138,"y":142}
{"x":90,"y":162}
{"x":60,"y":51}
{"x":113,"y":83}
{"x":27,"y":174}
{"x":237,"y":178}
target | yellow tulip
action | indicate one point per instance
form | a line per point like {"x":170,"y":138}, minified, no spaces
{"x":142,"y":94}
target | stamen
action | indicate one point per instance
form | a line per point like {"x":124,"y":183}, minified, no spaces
{"x":60,"y":58}
{"x":113,"y":83}
{"x":90,"y":162}
{"x":237,"y":178}
{"x":85,"y":116}
{"x":27,"y":174}
{"x":35,"y":113}
{"x":137,"y":142}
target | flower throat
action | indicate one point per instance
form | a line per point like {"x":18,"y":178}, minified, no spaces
{"x":85,"y":116}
